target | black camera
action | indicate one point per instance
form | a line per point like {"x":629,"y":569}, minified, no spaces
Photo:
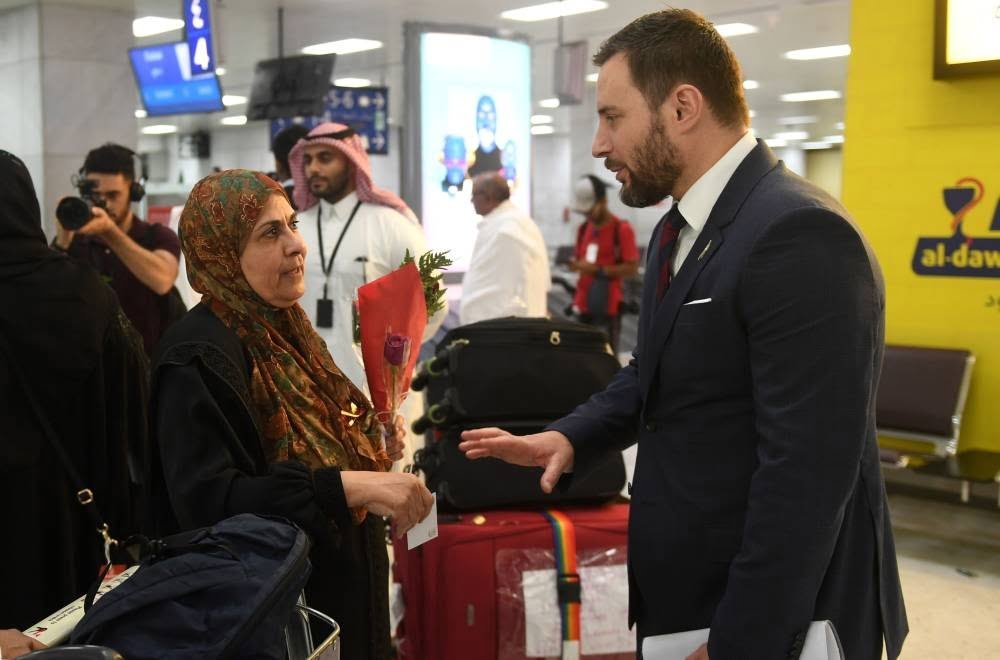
{"x":75,"y":212}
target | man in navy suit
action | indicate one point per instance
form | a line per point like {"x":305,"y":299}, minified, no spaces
{"x":757,"y":502}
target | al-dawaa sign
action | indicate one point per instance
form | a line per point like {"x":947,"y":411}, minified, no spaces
{"x":959,"y":254}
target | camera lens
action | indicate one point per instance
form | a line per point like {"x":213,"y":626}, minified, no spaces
{"x":72,"y":212}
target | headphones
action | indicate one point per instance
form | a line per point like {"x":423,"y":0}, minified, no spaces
{"x":136,"y":190}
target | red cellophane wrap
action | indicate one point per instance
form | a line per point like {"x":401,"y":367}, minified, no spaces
{"x":392,"y":303}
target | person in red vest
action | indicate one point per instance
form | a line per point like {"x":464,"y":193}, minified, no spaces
{"x":605,"y":255}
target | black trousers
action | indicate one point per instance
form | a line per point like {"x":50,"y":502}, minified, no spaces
{"x":611,"y":324}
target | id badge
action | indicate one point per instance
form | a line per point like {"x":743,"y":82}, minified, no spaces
{"x":324,"y":313}
{"x":591,"y":254}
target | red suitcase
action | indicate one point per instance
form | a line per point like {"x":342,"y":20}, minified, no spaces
{"x":463,"y":592}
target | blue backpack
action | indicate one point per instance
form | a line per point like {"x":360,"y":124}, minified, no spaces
{"x":225,"y":591}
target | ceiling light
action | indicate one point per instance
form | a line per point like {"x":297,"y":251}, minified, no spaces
{"x":839,"y":125}
{"x":352,"y":82}
{"x":736,"y":29}
{"x":159,"y":129}
{"x":235,"y":120}
{"x":542,"y":130}
{"x":140,"y":114}
{"x":819,"y":95}
{"x":233,"y":99}
{"x":548,"y":10}
{"x":541,"y":119}
{"x":834,"y":139}
{"x":147,"y":26}
{"x":816,"y":145}
{"x":591,"y":77}
{"x":549,"y":103}
{"x":789,"y":136}
{"x":798,"y":120}
{"x":775,"y":143}
{"x":220,"y":70}
{"x":750,"y":84}
{"x":753,"y":113}
{"x":822,"y":53}
{"x":342,"y":47}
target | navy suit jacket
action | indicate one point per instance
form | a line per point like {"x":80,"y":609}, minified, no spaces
{"x":757,"y":502}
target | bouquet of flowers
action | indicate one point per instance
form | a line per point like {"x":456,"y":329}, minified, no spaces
{"x":392,"y":315}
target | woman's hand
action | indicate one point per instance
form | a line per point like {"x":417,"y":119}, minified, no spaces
{"x":395,"y":439}
{"x":398,"y":495}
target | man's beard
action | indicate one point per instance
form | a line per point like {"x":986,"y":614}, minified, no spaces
{"x":332,"y":190}
{"x":657,"y":168}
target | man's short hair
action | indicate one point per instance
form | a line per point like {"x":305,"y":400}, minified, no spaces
{"x":493,"y":185}
{"x":666,"y":48}
{"x":111,"y":158}
{"x":284,"y":140}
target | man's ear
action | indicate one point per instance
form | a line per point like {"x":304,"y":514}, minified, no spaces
{"x":687,"y":106}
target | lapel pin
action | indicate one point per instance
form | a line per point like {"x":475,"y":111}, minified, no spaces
{"x":705,"y":249}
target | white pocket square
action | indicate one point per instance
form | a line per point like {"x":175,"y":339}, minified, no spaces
{"x":700,"y":301}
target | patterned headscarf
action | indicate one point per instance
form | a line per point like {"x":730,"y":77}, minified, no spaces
{"x":308,"y":409}
{"x":343,"y":139}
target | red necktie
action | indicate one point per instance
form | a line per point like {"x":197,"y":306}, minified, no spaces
{"x":673,"y":221}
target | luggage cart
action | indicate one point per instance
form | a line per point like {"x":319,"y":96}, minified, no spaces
{"x":299,"y":639}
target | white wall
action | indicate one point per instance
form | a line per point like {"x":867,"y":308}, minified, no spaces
{"x":20,"y":82}
{"x":550,"y":194}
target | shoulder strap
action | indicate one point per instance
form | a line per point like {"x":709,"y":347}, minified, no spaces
{"x":580,"y":232}
{"x":618,"y":240}
{"x":84,"y":495}
{"x":567,"y":580}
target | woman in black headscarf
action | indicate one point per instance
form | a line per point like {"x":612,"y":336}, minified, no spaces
{"x":84,"y":365}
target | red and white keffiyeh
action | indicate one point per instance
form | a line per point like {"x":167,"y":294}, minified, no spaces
{"x":341,"y":138}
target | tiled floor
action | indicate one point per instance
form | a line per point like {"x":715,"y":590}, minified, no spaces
{"x":949,"y":562}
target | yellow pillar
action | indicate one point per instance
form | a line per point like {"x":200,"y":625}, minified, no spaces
{"x":908,"y":138}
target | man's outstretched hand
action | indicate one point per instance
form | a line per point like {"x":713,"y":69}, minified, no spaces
{"x":549,"y":449}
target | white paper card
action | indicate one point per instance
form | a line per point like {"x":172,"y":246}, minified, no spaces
{"x":56,"y":627}
{"x":591,"y":254}
{"x":542,"y":628}
{"x":603,"y":612}
{"x":821,"y":643}
{"x":425,"y":530}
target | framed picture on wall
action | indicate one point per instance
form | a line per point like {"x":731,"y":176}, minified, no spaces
{"x":966,"y":38}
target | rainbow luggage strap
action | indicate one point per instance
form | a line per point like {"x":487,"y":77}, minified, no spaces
{"x":567,"y":581}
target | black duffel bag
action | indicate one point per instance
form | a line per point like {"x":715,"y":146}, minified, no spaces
{"x":225,"y":591}
{"x":513,"y":369}
{"x":470,"y":485}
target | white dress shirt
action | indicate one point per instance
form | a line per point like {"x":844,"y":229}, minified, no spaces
{"x":509,"y":269}
{"x":374,"y":245}
{"x":701,"y":197}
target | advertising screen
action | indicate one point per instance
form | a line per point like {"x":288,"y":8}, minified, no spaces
{"x":167,"y":85}
{"x":475,"y":97}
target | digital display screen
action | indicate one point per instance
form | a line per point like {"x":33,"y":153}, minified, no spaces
{"x":167,"y":85}
{"x":475,"y":109}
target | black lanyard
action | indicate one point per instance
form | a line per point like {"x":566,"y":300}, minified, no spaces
{"x":327,"y":266}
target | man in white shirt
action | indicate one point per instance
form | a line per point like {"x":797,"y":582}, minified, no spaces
{"x":356,"y":233}
{"x":509,"y":270}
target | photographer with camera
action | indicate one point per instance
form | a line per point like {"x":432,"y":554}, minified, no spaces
{"x":138,"y":259}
